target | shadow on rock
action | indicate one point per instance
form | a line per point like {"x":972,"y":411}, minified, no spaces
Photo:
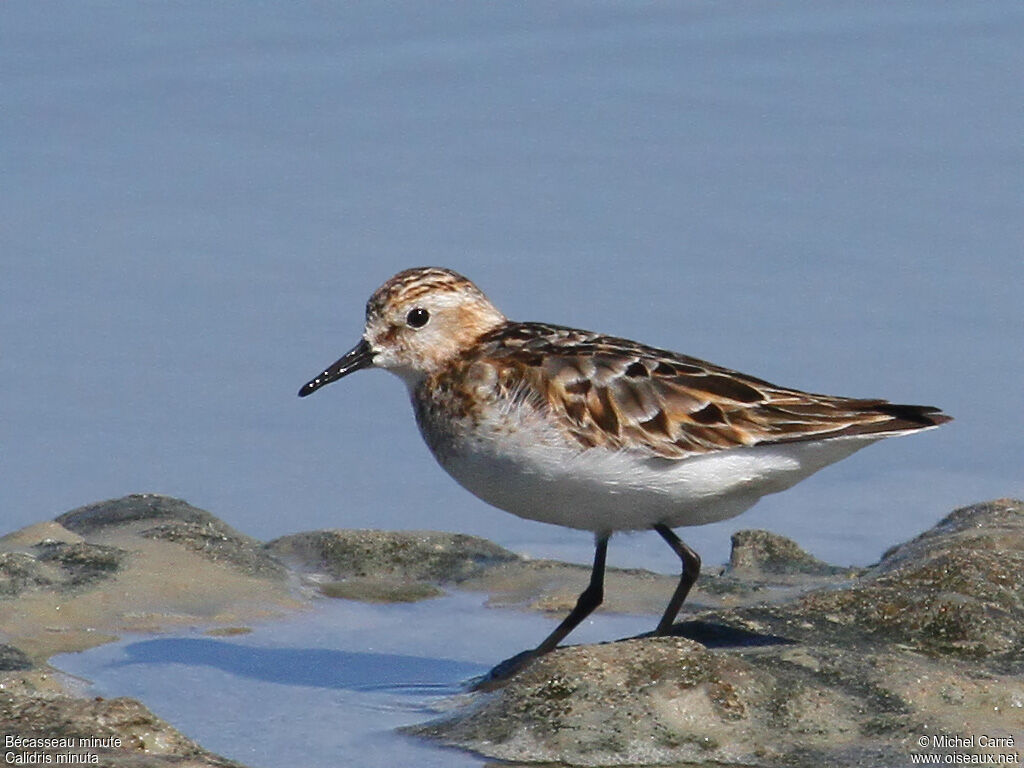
{"x":712,"y":634}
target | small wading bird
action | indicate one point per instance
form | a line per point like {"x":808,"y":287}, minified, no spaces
{"x":594,"y":432}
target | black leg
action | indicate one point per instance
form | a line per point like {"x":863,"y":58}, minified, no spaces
{"x":585,"y":605}
{"x":590,"y":598}
{"x":691,"y":569}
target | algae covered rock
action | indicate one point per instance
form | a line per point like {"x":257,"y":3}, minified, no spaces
{"x":81,"y":562}
{"x":135,"y":508}
{"x":116,"y":733}
{"x":140,"y":563}
{"x":21,"y":571}
{"x":782,"y":661}
{"x":957,"y":589}
{"x":430,"y":556}
{"x":656,"y":701}
{"x":162,"y":517}
{"x":220,"y":543}
{"x":930,"y":640}
{"x":12,"y":658}
{"x":757,"y":553}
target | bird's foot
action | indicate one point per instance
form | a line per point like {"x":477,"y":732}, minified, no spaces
{"x":503,"y":672}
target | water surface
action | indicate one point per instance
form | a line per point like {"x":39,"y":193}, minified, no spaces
{"x":327,"y":688}
{"x":198,"y":198}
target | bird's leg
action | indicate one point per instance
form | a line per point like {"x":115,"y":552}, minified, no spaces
{"x":691,"y":569}
{"x":590,"y":598}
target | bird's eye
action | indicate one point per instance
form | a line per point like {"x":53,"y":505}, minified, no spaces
{"x":417,"y":317}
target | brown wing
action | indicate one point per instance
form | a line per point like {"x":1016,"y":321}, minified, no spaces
{"x":614,"y":392}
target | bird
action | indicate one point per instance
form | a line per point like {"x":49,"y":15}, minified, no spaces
{"x":595,"y":432}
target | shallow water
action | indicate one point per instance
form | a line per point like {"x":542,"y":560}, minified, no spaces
{"x":322,"y":688}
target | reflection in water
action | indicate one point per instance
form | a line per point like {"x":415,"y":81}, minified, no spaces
{"x":307,"y":690}
{"x":313,"y":667}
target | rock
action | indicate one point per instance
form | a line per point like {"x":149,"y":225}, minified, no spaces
{"x":956,"y":590}
{"x":137,"y":507}
{"x":140,"y":563}
{"x":31,"y":535}
{"x":759,"y":553}
{"x":652,"y":702}
{"x":430,"y":556}
{"x":57,"y":564}
{"x":169,"y":519}
{"x":404,"y":566}
{"x":228,"y":631}
{"x":119,"y":733}
{"x":782,"y":661}
{"x":928,"y":641}
{"x":671,"y":701}
{"x":379,"y":590}
{"x":553,"y":587}
{"x":220,"y":544}
{"x":20,"y":571}
{"x":81,"y":562}
{"x":12,"y":658}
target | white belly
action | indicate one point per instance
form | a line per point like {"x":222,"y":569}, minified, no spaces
{"x":534,"y":473}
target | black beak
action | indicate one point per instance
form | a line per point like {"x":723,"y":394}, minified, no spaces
{"x":360,"y":356}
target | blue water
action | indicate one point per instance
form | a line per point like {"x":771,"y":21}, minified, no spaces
{"x":327,"y":688}
{"x":197,"y":198}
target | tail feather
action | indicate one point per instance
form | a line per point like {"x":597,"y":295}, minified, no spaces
{"x":873,"y":418}
{"x":903,"y":419}
{"x":914,"y":415}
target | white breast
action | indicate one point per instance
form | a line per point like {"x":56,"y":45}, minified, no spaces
{"x":523,"y":465}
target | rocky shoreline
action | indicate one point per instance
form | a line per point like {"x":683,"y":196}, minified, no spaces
{"x":781,"y":659}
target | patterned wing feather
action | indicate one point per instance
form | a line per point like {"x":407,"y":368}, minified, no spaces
{"x":620,"y":394}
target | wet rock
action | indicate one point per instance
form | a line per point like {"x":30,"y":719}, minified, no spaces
{"x":429,"y":556}
{"x":112,"y":732}
{"x":380,"y":590}
{"x":764,"y":566}
{"x":58,"y":565}
{"x":162,"y":517}
{"x":553,"y":587}
{"x":956,"y":590}
{"x":404,"y":566}
{"x":927,"y":641}
{"x":137,"y":507}
{"x":228,"y":631}
{"x":20,"y":571}
{"x":29,"y":536}
{"x":81,"y":562}
{"x":13,"y":658}
{"x":781,"y":661}
{"x":538,"y":716}
{"x":759,"y":553}
{"x":141,"y":563}
{"x":217,"y":542}
{"x":654,"y":701}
